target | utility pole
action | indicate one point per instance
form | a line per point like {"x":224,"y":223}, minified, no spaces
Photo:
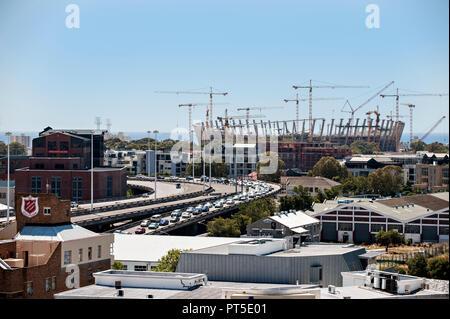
{"x":92,"y":170}
{"x":156,"y":160}
{"x":7,"y":189}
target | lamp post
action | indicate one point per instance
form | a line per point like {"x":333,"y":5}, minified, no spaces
{"x":156,"y":162}
{"x":203,"y":158}
{"x":7,"y":189}
{"x":148,"y":154}
{"x":92,"y":171}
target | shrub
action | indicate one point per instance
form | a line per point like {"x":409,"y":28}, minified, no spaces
{"x":417,"y":266}
{"x":438,"y":268}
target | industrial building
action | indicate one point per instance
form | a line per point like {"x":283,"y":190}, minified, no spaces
{"x":48,"y":254}
{"x":313,"y":184}
{"x":295,"y":224}
{"x":423,"y":218}
{"x":270,"y":260}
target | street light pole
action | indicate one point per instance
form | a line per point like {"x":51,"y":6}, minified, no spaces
{"x":156,"y":161}
{"x":148,"y":154}
{"x":92,"y":171}
{"x":203,"y":159}
{"x":7,"y":191}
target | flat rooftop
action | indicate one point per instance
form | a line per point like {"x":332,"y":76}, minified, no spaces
{"x":356,"y":292}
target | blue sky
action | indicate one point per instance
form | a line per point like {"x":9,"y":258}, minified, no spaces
{"x":256,"y":50}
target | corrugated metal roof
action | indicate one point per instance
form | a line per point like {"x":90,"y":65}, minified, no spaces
{"x":293,"y":220}
{"x":54,"y":233}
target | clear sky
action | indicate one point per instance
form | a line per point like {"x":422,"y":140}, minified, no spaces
{"x":124,"y":51}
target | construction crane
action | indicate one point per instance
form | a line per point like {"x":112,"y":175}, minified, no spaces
{"x":297,"y":101}
{"x":235,"y":117}
{"x":411,"y":106}
{"x":397,"y":96}
{"x":247,"y":109}
{"x":432,"y":128}
{"x":370,"y":125}
{"x":353,"y":111}
{"x":310,"y":87}
{"x":210,"y":93}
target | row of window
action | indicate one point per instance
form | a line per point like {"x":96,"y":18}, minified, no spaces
{"x":68,"y":255}
{"x":375,"y":228}
{"x":50,"y":284}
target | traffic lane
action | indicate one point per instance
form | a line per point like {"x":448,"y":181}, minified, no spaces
{"x":81,"y":218}
{"x":163,"y":190}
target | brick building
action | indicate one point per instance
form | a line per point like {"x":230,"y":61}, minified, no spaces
{"x":48,"y":254}
{"x":60,"y":164}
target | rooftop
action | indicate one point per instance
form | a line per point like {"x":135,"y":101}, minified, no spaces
{"x":293,"y":220}
{"x":54,"y":233}
{"x":309,"y":181}
{"x":355,"y":292}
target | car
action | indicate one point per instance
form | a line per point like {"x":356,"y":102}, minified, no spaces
{"x":204,"y":179}
{"x":218,"y":205}
{"x":190,"y":209}
{"x":229,"y":201}
{"x":140,"y":230}
{"x":153,"y":226}
{"x":140,"y":176}
{"x":118,"y":231}
{"x":174,"y":219}
{"x":186,"y":215}
{"x":205,"y":208}
{"x":160,"y":177}
{"x":189,"y":178}
{"x":156,"y":218}
{"x":197,"y":211}
{"x":73,"y":204}
{"x":146,"y":195}
{"x":177,"y":212}
{"x":145,"y":223}
{"x":236,"y":197}
{"x":164,"y":222}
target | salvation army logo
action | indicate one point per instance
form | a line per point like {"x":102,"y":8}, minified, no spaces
{"x":30,"y":206}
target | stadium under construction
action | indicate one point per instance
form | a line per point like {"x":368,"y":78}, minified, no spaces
{"x":301,"y":147}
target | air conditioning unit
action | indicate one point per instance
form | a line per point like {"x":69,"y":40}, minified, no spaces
{"x":331,"y":289}
{"x":118,"y":284}
{"x":120,"y":293}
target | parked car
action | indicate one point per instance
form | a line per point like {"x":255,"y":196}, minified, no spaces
{"x":146,"y":195}
{"x":153,"y":226}
{"x":189,"y":178}
{"x":229,"y":201}
{"x":177,"y":212}
{"x":186,"y":215}
{"x":218,"y":205}
{"x":156,"y":218}
{"x":205,"y":208}
{"x":118,"y":231}
{"x":190,"y":209}
{"x":140,"y":230}
{"x":197,"y":211}
{"x":145,"y":223}
{"x":160,"y":177}
{"x":164,"y":222}
{"x":73,"y":204}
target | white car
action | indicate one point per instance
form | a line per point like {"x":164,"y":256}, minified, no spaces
{"x":229,"y":201}
{"x":145,"y":223}
{"x":190,"y":210}
{"x":218,"y":205}
{"x":186,"y":215}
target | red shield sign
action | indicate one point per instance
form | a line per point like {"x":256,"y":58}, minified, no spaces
{"x":30,"y":206}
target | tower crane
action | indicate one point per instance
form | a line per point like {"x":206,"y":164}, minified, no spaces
{"x":353,"y":110}
{"x":247,"y":109}
{"x":310,"y":87}
{"x":432,"y":128}
{"x":411,"y":106}
{"x":297,"y":101}
{"x":211,"y":93}
{"x":376,"y":125}
{"x":397,"y":96}
{"x":235,"y":117}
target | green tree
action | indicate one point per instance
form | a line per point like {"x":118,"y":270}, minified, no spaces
{"x":217,"y":169}
{"x":417,"y":266}
{"x":363,"y":147}
{"x":242,"y":222}
{"x":117,"y":265}
{"x":417,"y":146}
{"x":3,"y":148}
{"x":258,"y":209}
{"x":274,"y":177}
{"x":330,"y":168}
{"x":386,"y":181}
{"x":223,"y":227}
{"x":390,"y":237}
{"x":301,"y":200}
{"x":436,"y":147}
{"x":169,"y":262}
{"x":438,"y":268}
{"x":14,"y":149}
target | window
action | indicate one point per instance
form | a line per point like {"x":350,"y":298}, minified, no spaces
{"x":77,"y":189}
{"x":29,"y":288}
{"x":89,"y":275}
{"x":39,"y":142}
{"x":47,"y":284}
{"x":36,"y":184}
{"x":443,"y":230}
{"x":80,"y":254}
{"x":39,"y":166}
{"x":59,"y":166}
{"x":377,"y":227}
{"x":140,"y":268}
{"x":89,"y":253}
{"x":64,"y":146}
{"x":424,"y":171}
{"x":99,"y":251}
{"x":47,"y":211}
{"x":53,"y":283}
{"x":125,"y":267}
{"x":345,"y":226}
{"x":76,"y":142}
{"x":67,"y":257}
{"x":51,"y":146}
{"x":398,"y":228}
{"x":56,"y":186}
{"x":109,"y":187}
{"x":412,"y":229}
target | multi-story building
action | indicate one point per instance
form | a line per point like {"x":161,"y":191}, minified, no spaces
{"x":431,"y":177}
{"x":61,"y":165}
{"x":48,"y":254}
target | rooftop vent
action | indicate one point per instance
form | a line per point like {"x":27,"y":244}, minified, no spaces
{"x":118,"y":284}
{"x":120,"y":293}
{"x":331,"y":289}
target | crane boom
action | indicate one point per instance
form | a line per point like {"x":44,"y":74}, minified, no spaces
{"x":432,"y":128}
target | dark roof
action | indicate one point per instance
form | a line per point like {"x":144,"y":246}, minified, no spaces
{"x":427,"y":201}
